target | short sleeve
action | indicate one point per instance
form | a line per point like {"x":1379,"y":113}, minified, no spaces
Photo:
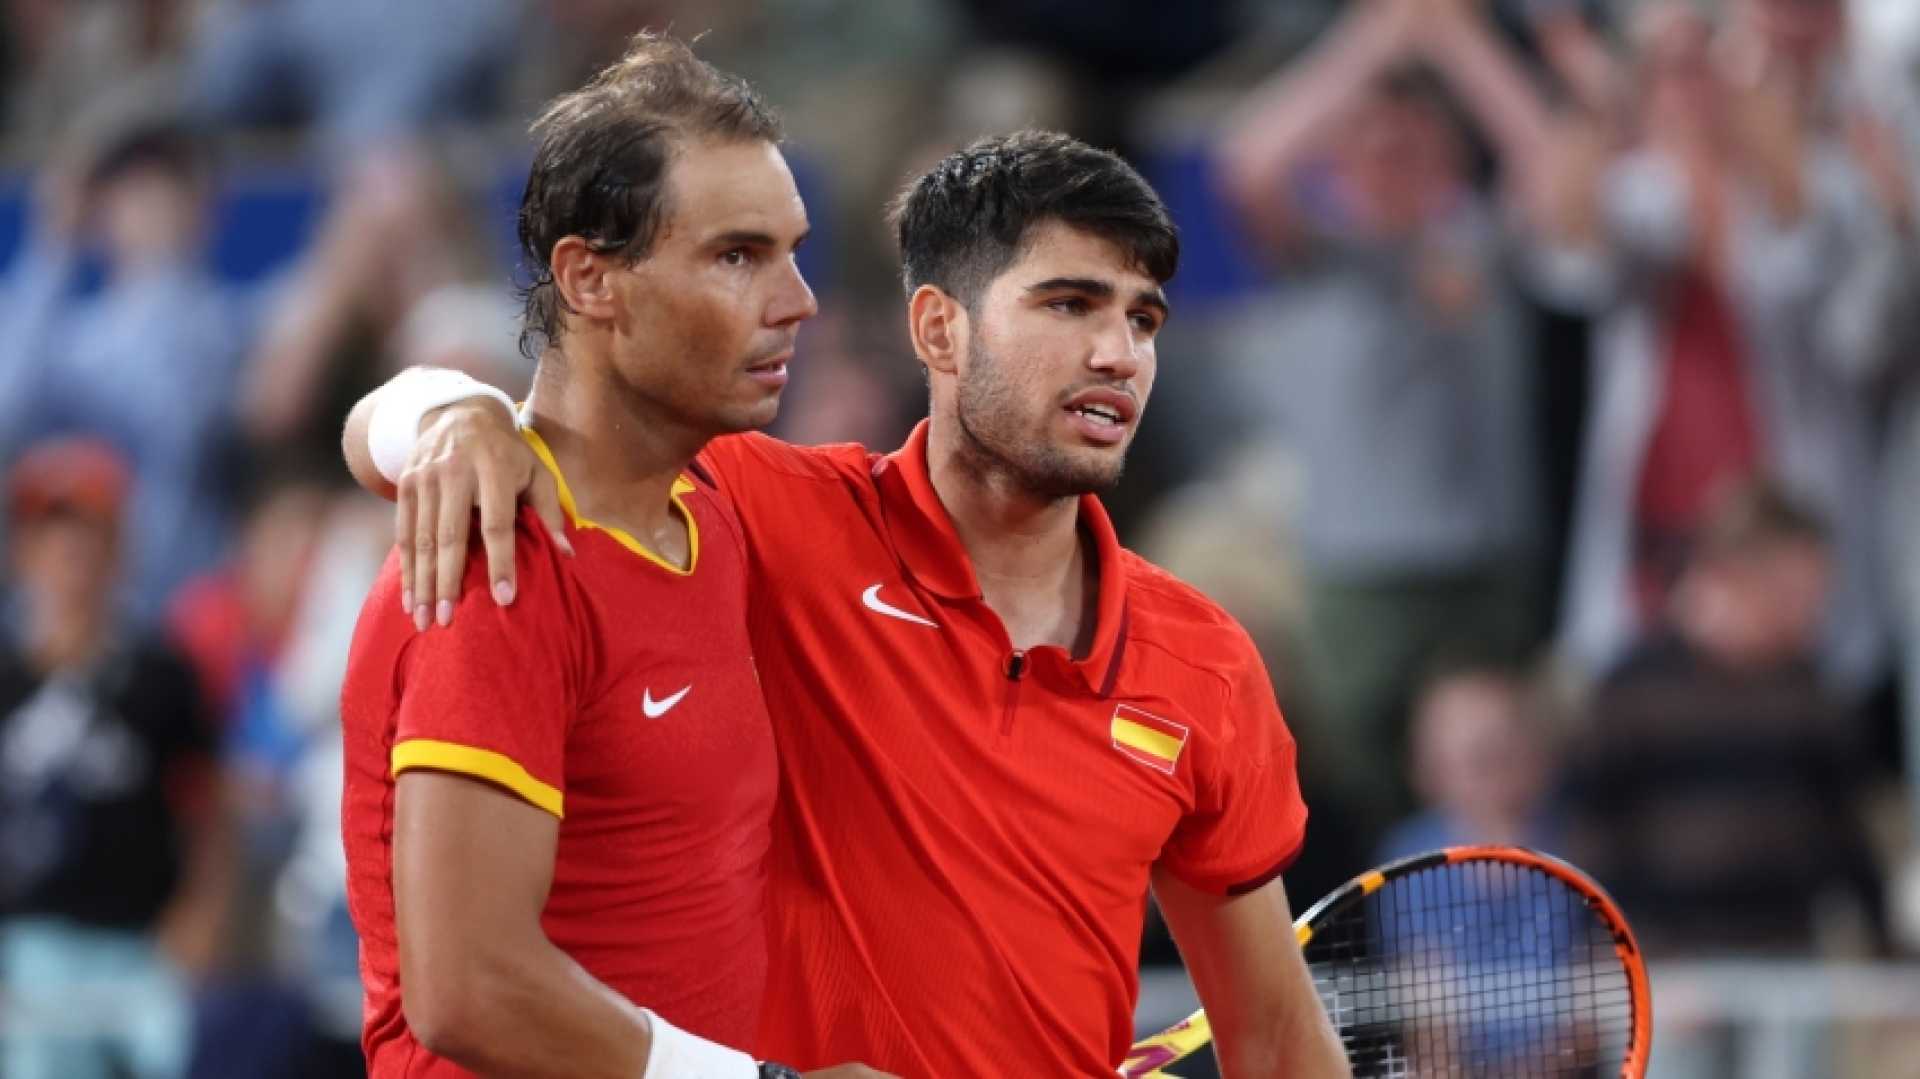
{"x":493,"y":695}
{"x":1248,"y":820}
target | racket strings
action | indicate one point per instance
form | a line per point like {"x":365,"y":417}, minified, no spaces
{"x":1474,"y":968}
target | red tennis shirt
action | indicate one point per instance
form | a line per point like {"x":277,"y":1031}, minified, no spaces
{"x":965,"y":832}
{"x":617,"y":693}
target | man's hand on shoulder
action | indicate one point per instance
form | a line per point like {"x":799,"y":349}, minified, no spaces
{"x":468,"y":454}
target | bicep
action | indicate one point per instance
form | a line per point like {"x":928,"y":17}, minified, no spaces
{"x":1246,"y":964}
{"x":1239,"y":946}
{"x":471,"y":866}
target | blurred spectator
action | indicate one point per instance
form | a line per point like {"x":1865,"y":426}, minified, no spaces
{"x":1744,"y":275}
{"x":1482,"y":765}
{"x":149,"y":361}
{"x":113,"y":862}
{"x":358,"y":70}
{"x":1390,"y":357}
{"x":313,"y":552}
{"x":1713,"y":784}
{"x":271,"y":627}
{"x":1887,"y":40}
{"x":233,"y":620}
{"x":401,"y":227}
{"x":56,"y":52}
{"x":1111,"y":51}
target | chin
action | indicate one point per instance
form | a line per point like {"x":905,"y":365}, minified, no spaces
{"x":1073,"y":475}
{"x":749,"y":417}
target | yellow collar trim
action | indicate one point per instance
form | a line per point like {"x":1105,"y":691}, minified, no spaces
{"x":681,"y":485}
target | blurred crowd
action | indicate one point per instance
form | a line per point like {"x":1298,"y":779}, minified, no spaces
{"x":1543,"y":393}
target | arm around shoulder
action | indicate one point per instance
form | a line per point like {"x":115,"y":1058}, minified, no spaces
{"x":384,"y":425}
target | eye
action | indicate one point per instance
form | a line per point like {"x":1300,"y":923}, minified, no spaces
{"x":1069,"y":305}
{"x":737,"y":256}
{"x":1146,"y":322}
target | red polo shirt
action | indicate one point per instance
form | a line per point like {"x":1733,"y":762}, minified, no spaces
{"x":618,"y":693}
{"x":964,"y":833}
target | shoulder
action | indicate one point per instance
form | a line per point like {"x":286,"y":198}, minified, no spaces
{"x":1183,"y":647}
{"x":1167,"y":612}
{"x":732,"y":459}
{"x":548,"y":592}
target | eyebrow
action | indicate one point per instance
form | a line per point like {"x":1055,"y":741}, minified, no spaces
{"x":1093,"y":286}
{"x":754,"y":238}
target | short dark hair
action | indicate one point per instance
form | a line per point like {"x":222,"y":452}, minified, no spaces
{"x":965,"y":220}
{"x":1756,"y":515}
{"x":601,"y":156}
{"x":171,"y":146}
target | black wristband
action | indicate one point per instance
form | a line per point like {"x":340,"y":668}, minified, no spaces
{"x":770,"y":1069}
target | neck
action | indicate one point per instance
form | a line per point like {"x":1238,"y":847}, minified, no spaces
{"x":1025,"y":548}
{"x":619,"y":451}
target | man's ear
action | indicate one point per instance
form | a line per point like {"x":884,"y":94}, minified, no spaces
{"x":938,"y":325}
{"x":583,"y":278}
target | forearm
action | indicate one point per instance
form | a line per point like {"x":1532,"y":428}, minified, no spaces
{"x":355,"y":448}
{"x":1497,"y":91}
{"x":391,"y":414}
{"x":526,"y":1010}
{"x":1583,"y":62}
{"x":1287,"y":116}
{"x":1301,"y":1045}
{"x":1281,"y":1029}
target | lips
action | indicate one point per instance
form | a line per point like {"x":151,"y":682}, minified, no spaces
{"x":771,"y":372}
{"x":1104,"y":407}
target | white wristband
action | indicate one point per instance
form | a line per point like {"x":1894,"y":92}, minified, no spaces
{"x":677,"y":1054}
{"x":395,"y":424}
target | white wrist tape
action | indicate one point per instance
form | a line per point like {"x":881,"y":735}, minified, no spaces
{"x":677,"y":1054}
{"x":395,"y":424}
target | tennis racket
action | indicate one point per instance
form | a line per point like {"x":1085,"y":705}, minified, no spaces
{"x":1468,"y":961}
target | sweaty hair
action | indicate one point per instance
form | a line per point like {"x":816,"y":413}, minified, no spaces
{"x":601,"y":157}
{"x":965,"y":220}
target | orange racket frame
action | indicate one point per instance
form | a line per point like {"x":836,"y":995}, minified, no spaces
{"x":1188,"y":1036}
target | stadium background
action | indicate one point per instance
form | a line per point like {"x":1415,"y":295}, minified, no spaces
{"x":1380,"y":454}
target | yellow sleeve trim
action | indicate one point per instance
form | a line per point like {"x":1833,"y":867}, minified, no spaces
{"x":479,"y":763}
{"x":681,"y":487}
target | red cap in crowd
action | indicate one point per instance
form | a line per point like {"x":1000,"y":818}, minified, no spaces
{"x":78,"y":475}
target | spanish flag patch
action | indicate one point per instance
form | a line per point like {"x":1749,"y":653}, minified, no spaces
{"x":1147,"y":738}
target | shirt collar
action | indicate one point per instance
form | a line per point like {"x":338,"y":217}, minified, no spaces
{"x":932,"y":554}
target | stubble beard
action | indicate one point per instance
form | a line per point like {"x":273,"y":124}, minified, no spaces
{"x":990,"y":412}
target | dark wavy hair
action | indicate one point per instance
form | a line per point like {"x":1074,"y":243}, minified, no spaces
{"x":601,"y":155}
{"x":963,"y":222}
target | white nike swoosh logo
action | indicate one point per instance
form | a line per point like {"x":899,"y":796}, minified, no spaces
{"x":655,"y":709}
{"x":871,"y":597}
